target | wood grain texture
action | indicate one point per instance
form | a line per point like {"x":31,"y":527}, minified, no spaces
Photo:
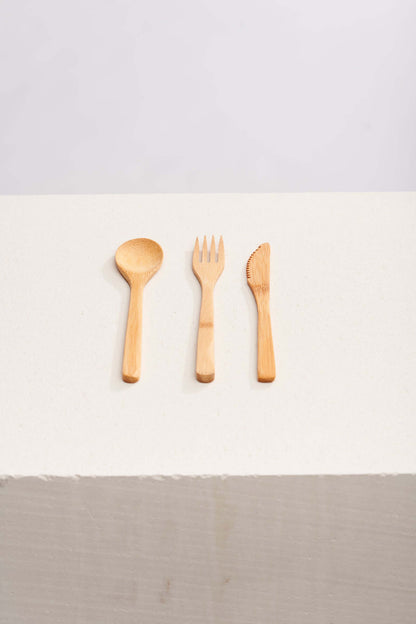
{"x":258,"y":278}
{"x":207,"y":270}
{"x":137,"y":260}
{"x":236,"y":550}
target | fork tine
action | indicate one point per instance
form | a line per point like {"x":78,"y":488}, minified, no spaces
{"x":221,"y":251}
{"x":212,"y":255}
{"x":205,"y":250}
{"x":195,"y":256}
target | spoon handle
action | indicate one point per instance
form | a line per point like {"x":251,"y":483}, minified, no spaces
{"x":133,"y":342}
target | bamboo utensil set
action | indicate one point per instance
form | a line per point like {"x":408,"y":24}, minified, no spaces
{"x":139,"y":259}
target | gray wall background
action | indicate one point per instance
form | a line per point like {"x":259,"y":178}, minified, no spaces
{"x":207,"y":95}
{"x":240,"y":550}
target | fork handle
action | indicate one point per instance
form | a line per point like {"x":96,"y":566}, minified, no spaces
{"x":133,"y":343}
{"x":205,"y":362}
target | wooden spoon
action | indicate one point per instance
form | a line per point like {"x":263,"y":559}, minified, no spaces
{"x":137,"y":260}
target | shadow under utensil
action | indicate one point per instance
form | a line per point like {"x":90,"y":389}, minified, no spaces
{"x":190,"y":385}
{"x":113,"y":277}
{"x":252,"y":333}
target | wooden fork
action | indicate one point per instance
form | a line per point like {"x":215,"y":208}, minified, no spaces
{"x":207,"y":271}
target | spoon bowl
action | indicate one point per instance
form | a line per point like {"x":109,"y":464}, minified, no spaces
{"x":137,"y":260}
{"x":139,"y":257}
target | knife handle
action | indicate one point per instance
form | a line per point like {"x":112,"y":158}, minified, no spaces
{"x":266,"y":368}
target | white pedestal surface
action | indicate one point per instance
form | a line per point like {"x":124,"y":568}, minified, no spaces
{"x":343,"y":303}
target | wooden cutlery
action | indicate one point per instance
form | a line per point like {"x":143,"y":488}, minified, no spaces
{"x":258,"y":278}
{"x":137,"y":260}
{"x":207,"y":270}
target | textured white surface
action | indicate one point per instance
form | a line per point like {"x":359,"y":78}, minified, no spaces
{"x":343,"y":307}
{"x":98,"y":96}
